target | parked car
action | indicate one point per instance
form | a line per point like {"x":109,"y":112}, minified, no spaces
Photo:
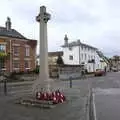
{"x":114,"y":69}
{"x":99,"y":72}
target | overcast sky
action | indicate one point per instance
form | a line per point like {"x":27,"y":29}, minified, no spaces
{"x":95,"y":22}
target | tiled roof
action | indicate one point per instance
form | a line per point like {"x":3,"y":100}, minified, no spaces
{"x":10,"y":33}
{"x":76,"y":43}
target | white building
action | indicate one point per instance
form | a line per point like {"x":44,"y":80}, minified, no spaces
{"x":77,"y":53}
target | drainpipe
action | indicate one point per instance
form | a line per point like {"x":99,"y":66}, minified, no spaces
{"x":10,"y":57}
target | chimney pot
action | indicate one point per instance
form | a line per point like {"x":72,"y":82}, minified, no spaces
{"x":8,"y":23}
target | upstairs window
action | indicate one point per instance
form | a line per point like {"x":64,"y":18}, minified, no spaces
{"x":70,"y":57}
{"x":84,"y":48}
{"x":88,"y":49}
{"x":85,"y":56}
{"x":82,"y":56}
{"x":27,"y":51}
{"x":16,"y":50}
{"x":81,"y":47}
{"x":91,"y":57}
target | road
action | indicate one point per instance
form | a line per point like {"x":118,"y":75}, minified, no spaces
{"x":107,"y":97}
{"x":106,"y":90}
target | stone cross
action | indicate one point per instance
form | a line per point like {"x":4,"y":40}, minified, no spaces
{"x":43,"y":79}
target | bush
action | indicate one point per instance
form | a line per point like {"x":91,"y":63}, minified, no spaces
{"x":59,"y":60}
{"x":36,"y":70}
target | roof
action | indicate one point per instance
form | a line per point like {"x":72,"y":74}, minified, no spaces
{"x":77,"y":43}
{"x":55,"y":53}
{"x":52,"y":54}
{"x":10,"y":33}
{"x":105,"y":59}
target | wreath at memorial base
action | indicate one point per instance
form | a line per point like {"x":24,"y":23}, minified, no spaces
{"x":55,"y":97}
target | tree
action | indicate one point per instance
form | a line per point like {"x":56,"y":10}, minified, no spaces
{"x":59,"y":60}
{"x":3,"y":57}
{"x":59,"y":63}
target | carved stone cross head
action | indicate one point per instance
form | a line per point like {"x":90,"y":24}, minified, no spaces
{"x":43,"y":15}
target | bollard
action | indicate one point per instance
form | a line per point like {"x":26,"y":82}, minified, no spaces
{"x":70,"y":82}
{"x":5,"y":87}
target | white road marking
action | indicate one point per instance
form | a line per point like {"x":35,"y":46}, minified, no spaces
{"x":94,"y":106}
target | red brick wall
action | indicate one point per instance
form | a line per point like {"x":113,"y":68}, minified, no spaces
{"x":22,"y":53}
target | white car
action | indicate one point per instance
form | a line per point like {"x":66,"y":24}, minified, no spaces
{"x":114,"y":69}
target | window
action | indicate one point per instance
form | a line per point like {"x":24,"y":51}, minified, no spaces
{"x":91,"y":57}
{"x":82,"y":56}
{"x":2,"y":64}
{"x":85,"y":56}
{"x":27,"y":51}
{"x":70,"y":57}
{"x":16,"y":64}
{"x":27,"y":64}
{"x":70,"y":48}
{"x":88,"y":49}
{"x":16,"y":50}
{"x":81,"y":47}
{"x":2,"y":47}
{"x":84,"y":48}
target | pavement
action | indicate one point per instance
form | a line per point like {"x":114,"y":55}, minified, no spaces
{"x":73,"y":109}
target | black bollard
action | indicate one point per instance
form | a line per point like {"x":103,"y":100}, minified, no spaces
{"x":70,"y":82}
{"x":5,"y":87}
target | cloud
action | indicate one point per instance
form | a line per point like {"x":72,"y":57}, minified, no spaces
{"x":94,"y":22}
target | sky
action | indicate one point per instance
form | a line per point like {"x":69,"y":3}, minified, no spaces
{"x":94,"y":22}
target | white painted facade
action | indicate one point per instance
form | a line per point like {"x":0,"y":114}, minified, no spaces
{"x":67,"y":53}
{"x":77,"y":53}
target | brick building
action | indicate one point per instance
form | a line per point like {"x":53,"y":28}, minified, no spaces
{"x":22,"y":51}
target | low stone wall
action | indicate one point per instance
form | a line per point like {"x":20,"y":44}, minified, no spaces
{"x":68,"y":72}
{"x":65,"y":76}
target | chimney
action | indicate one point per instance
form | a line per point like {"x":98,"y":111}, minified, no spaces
{"x":8,"y":23}
{"x":66,"y":40}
